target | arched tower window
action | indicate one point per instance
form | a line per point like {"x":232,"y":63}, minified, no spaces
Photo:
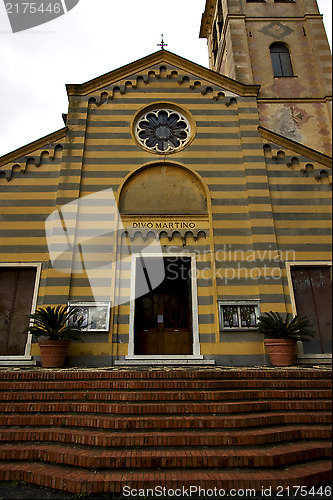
{"x":214,"y":43}
{"x":281,"y":61}
{"x":220,"y":19}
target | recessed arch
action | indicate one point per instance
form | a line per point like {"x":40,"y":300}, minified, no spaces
{"x":163,"y":188}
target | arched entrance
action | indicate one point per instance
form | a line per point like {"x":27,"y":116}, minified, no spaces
{"x":164,"y":320}
{"x":163,"y":316}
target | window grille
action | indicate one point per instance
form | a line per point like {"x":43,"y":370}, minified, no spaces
{"x":238,"y":315}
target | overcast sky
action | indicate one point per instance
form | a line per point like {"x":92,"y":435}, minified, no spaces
{"x":95,"y":37}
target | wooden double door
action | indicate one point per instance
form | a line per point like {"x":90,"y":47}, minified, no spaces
{"x":163,"y":323}
{"x":313,"y":297}
{"x":16,"y":294}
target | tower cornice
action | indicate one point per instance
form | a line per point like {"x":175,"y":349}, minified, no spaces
{"x":207,"y":18}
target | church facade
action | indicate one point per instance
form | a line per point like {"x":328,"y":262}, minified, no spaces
{"x":180,"y":203}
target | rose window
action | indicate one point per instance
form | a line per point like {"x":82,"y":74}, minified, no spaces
{"x":163,"y":130}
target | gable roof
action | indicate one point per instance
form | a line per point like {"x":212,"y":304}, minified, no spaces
{"x":162,"y":57}
{"x":166,"y":57}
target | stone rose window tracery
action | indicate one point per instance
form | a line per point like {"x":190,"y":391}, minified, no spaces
{"x":163,"y":130}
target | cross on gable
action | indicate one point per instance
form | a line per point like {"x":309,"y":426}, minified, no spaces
{"x":162,"y":44}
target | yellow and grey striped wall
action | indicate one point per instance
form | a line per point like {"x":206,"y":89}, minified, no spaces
{"x":267,"y":201}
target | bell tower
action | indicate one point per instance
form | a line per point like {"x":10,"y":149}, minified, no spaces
{"x":282,"y":46}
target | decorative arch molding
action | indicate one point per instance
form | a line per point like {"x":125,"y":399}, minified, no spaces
{"x":301,"y":163}
{"x":51,"y":153}
{"x":207,"y":89}
{"x":184,"y":234}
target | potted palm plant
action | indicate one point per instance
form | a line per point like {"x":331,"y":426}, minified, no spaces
{"x":55,"y":330}
{"x":281,"y":335}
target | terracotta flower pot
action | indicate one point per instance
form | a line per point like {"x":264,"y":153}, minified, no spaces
{"x":53,"y":352}
{"x":281,"y":351}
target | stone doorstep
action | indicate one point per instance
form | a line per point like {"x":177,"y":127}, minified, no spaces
{"x":308,"y":359}
{"x":17,"y":361}
{"x":164,"y":362}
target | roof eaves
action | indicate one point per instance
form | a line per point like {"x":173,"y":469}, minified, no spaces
{"x":297,"y":147}
{"x":32,"y":146}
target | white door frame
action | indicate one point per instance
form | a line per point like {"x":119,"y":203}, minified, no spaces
{"x":194,"y":298}
{"x":38,"y":266}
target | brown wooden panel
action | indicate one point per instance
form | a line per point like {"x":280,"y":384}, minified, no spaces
{"x":8,"y":284}
{"x":321,"y":284}
{"x":177,"y":342}
{"x":147,"y":342}
{"x":313,"y":297}
{"x":16,"y":293}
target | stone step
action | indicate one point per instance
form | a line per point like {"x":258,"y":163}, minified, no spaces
{"x":276,"y":456}
{"x":110,"y":428}
{"x":125,"y":439}
{"x":76,"y":480}
{"x":167,"y":422}
{"x":167,"y":407}
{"x":143,"y":396}
{"x":77,"y":374}
{"x":162,"y":385}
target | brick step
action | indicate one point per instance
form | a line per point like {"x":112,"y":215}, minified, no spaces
{"x":166,"y":408}
{"x":168,"y":422}
{"x":198,"y":374}
{"x":276,"y":456}
{"x":75,"y":480}
{"x":137,"y":396}
{"x":162,"y":385}
{"x":231,"y":437}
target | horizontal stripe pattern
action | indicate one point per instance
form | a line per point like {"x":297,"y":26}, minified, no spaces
{"x":258,"y":204}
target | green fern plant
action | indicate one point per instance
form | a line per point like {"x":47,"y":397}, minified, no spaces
{"x":273,"y":326}
{"x":53,"y":323}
